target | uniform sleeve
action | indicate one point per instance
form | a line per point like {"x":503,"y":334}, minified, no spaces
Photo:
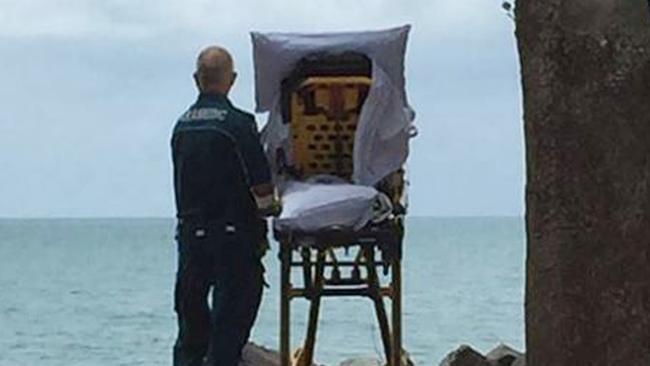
{"x":253,"y":154}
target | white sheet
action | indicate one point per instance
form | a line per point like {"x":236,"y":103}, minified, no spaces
{"x":381,"y":140}
{"x":313,"y":206}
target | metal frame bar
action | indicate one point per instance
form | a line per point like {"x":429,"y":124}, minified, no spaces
{"x":316,"y":285}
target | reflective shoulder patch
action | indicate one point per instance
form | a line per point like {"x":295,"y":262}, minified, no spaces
{"x":204,"y":114}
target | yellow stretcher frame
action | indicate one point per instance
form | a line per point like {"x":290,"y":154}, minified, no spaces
{"x":324,"y":111}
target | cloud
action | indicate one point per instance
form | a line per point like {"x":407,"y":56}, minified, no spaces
{"x":149,"y":18}
{"x":66,"y":18}
{"x":91,"y":89}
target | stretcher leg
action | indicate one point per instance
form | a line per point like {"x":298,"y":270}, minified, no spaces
{"x":396,"y":312}
{"x":307,"y":354}
{"x":380,"y":310}
{"x":285,"y":271}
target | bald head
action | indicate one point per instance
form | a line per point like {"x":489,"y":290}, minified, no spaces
{"x":214,"y":70}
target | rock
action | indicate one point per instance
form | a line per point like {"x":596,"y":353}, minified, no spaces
{"x":361,"y":362}
{"x":502,"y":355}
{"x":406,"y":361}
{"x":521,"y":361}
{"x":465,"y":356}
{"x":254,"y":355}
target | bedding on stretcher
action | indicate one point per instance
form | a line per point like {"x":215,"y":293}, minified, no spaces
{"x":382,"y":134}
{"x":315,"y":206}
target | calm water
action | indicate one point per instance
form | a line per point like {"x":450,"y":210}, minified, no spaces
{"x":99,"y":292}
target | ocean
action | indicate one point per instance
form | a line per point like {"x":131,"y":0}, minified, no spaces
{"x":98,"y":292}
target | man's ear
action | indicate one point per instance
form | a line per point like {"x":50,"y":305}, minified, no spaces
{"x":234,"y":77}
{"x":196,"y":80}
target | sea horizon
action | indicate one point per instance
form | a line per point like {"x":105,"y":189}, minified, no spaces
{"x":98,"y":291}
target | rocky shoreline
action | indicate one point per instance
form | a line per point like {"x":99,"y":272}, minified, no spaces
{"x":502,"y":355}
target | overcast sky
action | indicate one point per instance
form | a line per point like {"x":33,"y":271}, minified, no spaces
{"x":90,"y":89}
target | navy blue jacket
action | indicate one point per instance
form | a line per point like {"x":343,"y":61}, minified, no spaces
{"x":217,"y":158}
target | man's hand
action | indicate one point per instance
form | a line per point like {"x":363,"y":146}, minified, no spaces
{"x":266,"y":200}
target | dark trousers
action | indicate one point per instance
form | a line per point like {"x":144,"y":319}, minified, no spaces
{"x":224,"y":263}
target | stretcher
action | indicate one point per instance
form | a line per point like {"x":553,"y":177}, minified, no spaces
{"x":320,"y":109}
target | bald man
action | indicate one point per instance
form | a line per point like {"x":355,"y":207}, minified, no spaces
{"x":223,"y":189}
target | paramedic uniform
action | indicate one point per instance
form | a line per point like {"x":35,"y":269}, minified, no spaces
{"x":217,"y":158}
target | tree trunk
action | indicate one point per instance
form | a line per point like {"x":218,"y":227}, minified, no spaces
{"x":586,"y":79}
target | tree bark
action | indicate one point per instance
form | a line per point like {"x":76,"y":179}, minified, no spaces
{"x":585,"y":68}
